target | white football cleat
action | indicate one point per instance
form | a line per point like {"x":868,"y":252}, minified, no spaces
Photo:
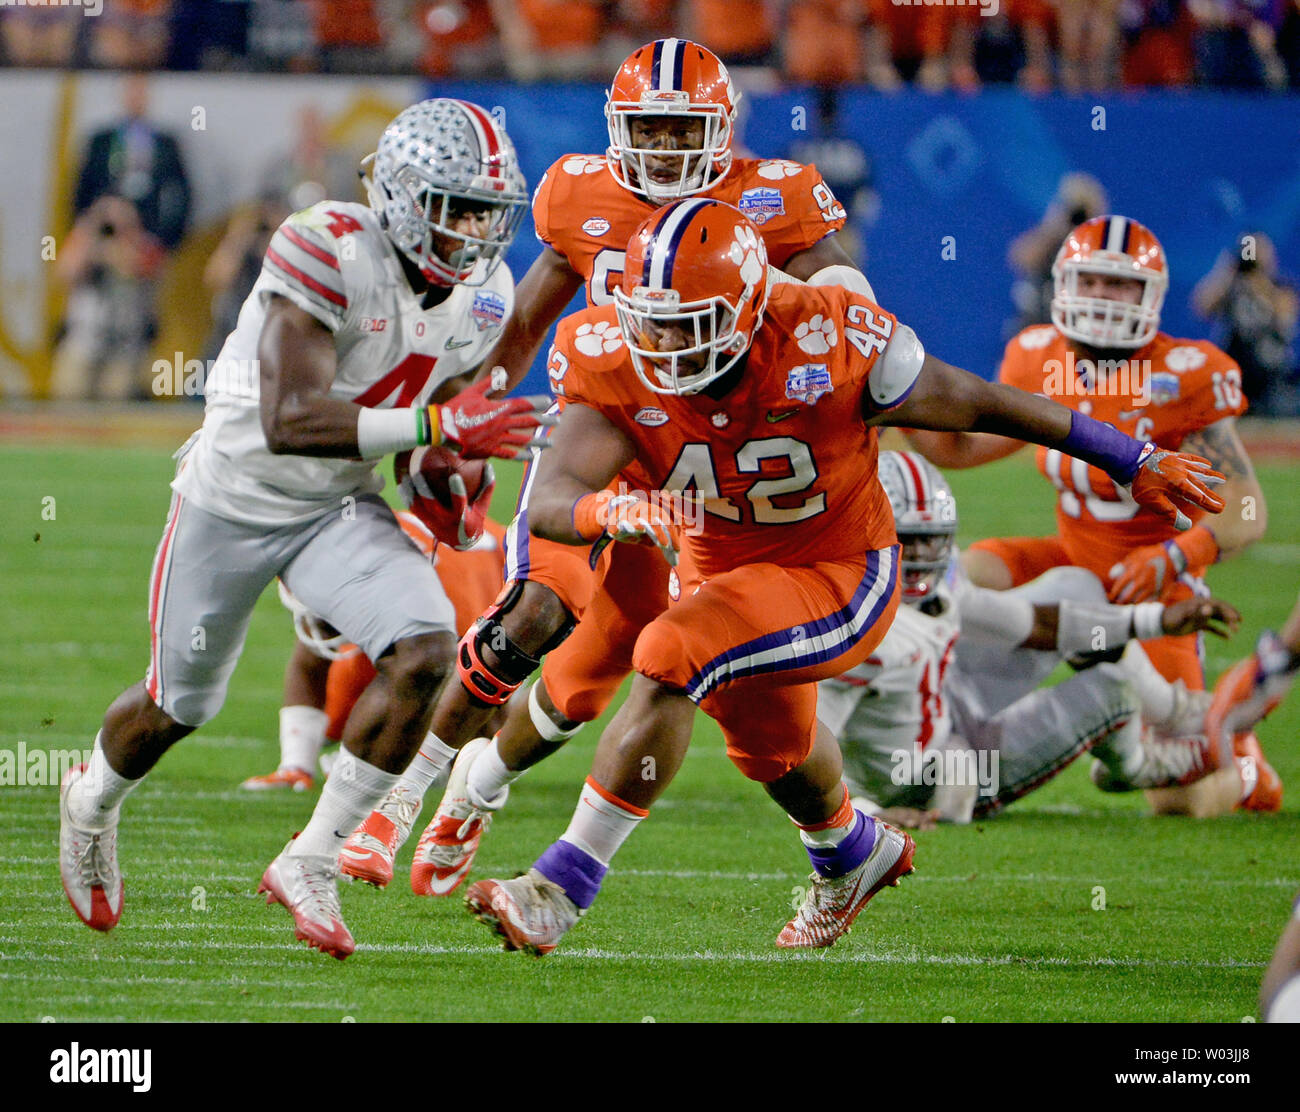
{"x":368,"y":854}
{"x":832,"y":904}
{"x":446,"y":849}
{"x":88,"y":863}
{"x":529,"y":913}
{"x":1166,"y":762}
{"x":305,"y":884}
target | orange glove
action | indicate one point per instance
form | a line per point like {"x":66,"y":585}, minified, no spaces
{"x":604,"y":516}
{"x":1167,"y":481}
{"x":1145,"y":572}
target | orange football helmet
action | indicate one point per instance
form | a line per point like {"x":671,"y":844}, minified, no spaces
{"x":671,"y":77}
{"x":694,"y":285}
{"x":1122,"y":248}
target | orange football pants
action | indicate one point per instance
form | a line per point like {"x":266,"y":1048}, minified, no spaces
{"x":748,"y":647}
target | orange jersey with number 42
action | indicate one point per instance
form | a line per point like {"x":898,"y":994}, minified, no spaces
{"x":783,"y":463}
{"x":1165,"y":391}
{"x":586,"y":216}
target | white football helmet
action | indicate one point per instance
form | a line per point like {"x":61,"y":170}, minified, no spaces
{"x":437,"y":160}
{"x":313,"y":631}
{"x":925,"y":518}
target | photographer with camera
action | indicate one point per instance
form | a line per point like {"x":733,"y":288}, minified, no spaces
{"x":1257,"y":312}
{"x":1079,"y":197}
{"x":109,"y":263}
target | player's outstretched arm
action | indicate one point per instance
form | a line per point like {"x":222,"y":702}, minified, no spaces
{"x":540,"y":298}
{"x":587,"y":451}
{"x":961,"y":449}
{"x":945,"y":397}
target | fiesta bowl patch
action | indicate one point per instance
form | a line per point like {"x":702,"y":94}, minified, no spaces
{"x":808,"y":382}
{"x":761,"y":204}
{"x":488,"y":310}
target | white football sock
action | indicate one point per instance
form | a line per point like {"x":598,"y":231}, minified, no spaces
{"x":96,"y":797}
{"x":354,"y":789}
{"x":488,"y":775}
{"x":429,"y":765}
{"x":600,"y":825}
{"x":302,"y":736}
{"x":1155,"y":693}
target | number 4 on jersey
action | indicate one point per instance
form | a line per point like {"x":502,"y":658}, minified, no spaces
{"x":694,"y":470}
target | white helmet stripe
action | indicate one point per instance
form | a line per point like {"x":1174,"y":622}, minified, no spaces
{"x":1115,"y":233}
{"x":665,"y":245}
{"x":668,"y":64}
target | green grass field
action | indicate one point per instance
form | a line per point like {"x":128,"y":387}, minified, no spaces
{"x":997,"y":923}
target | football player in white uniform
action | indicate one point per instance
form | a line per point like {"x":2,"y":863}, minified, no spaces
{"x":361,"y":337}
{"x":943,"y":720}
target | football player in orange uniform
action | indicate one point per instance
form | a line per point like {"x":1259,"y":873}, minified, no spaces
{"x":761,"y":407}
{"x":671,"y":113}
{"x":1104,"y":355}
{"x":326,"y":674}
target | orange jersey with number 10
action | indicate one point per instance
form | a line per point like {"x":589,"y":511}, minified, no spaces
{"x":581,"y":212}
{"x":783,"y":463}
{"x":1163,"y":392}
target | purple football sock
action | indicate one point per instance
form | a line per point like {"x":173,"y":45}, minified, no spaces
{"x":578,"y":873}
{"x":833,"y":861}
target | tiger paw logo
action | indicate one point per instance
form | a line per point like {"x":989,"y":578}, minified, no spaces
{"x":598,"y":338}
{"x":1184,"y":358}
{"x":584,"y":164}
{"x":747,"y":253}
{"x":1031,"y":339}
{"x":816,"y":336}
{"x":777,"y":168}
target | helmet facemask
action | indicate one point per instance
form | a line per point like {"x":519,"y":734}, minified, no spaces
{"x":701,"y":167}
{"x":925,"y":558}
{"x":1105,"y":323}
{"x":711,"y":327}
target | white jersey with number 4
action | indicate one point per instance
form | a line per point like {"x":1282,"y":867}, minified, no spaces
{"x":894,"y":702}
{"x":334,"y":261}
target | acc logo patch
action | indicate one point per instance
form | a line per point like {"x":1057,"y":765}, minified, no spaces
{"x":596,"y":226}
{"x":761,"y":204}
{"x":1164,"y":388}
{"x":651,"y":417}
{"x":808,"y":382}
{"x":488,"y":310}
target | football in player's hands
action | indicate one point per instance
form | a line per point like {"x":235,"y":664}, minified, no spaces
{"x":449,"y":494}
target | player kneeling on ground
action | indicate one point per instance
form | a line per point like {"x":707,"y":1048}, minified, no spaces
{"x":792,"y":574}
{"x":943,"y":723}
{"x":344,"y":353}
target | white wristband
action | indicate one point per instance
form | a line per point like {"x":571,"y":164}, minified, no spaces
{"x":1148,"y":621}
{"x":381,"y":431}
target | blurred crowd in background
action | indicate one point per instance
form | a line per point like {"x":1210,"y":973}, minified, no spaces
{"x":1074,"y":45}
{"x":132,"y":203}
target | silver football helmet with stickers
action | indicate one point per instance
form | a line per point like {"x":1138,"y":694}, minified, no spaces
{"x":925,"y":518}
{"x":313,"y":631}
{"x":437,"y":162}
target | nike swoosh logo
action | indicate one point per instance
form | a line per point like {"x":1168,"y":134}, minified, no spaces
{"x":775,"y":417}
{"x":453,"y":344}
{"x":1128,"y":414}
{"x":344,"y":836}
